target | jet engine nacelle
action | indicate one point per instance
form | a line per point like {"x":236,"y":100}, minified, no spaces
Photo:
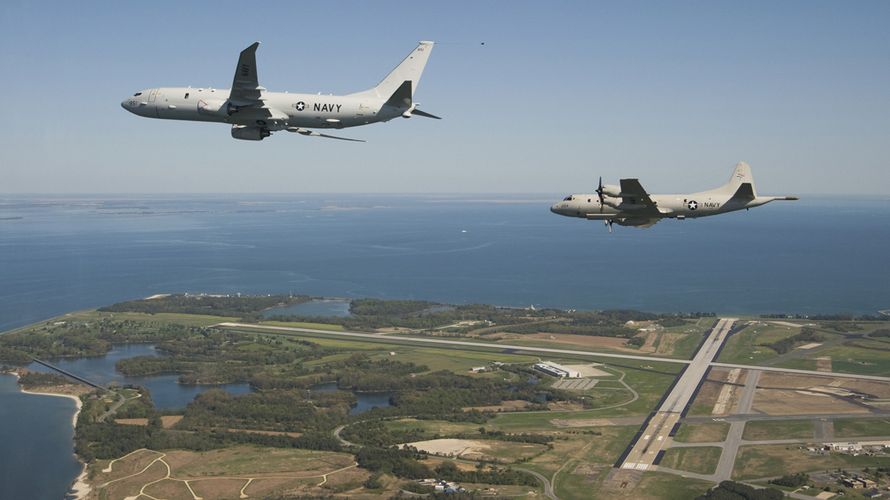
{"x":612,"y":190}
{"x":250,"y":133}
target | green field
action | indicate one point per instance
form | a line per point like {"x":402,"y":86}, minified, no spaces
{"x":313,"y":326}
{"x":848,"y":428}
{"x":745,"y":346}
{"x":699,"y":459}
{"x":847,"y":359}
{"x":702,"y":433}
{"x":776,"y":460}
{"x":433,"y":427}
{"x":763,"y":430}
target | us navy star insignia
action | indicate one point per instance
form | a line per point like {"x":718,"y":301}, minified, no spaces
{"x":301,"y":106}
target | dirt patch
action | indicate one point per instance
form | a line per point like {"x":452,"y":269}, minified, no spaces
{"x":621,"y":481}
{"x":798,"y":401}
{"x":725,"y":398}
{"x":267,"y":433}
{"x":649,"y":342}
{"x":597,"y":422}
{"x":511,"y":405}
{"x":874,"y":388}
{"x":710,"y":391}
{"x":131,"y":421}
{"x":168,"y":421}
{"x":823,"y":364}
{"x":668,"y":341}
{"x":467,"y":448}
{"x":564,"y":406}
{"x":578,"y":340}
{"x":76,"y":390}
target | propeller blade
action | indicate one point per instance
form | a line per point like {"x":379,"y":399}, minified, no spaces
{"x":599,"y":192}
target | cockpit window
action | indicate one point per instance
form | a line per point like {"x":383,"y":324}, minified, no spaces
{"x":137,"y":94}
{"x":567,"y":198}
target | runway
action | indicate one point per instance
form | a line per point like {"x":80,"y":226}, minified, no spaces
{"x":656,"y":434}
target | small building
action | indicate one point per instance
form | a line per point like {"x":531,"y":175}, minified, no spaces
{"x":557,"y":370}
{"x":845,"y":446}
{"x":477,"y":369}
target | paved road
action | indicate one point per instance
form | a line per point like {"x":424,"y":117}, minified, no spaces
{"x":736,"y":428}
{"x":655,"y":434}
{"x":803,"y":372}
{"x":799,"y":416}
{"x":388,"y":338}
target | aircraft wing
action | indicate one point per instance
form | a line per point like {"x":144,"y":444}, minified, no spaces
{"x":632,"y":193}
{"x":246,"y":88}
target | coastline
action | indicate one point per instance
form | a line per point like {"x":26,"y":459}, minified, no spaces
{"x":80,"y":489}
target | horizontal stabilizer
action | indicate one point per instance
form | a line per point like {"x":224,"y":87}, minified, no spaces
{"x":418,"y":112}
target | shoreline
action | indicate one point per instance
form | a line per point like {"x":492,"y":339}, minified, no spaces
{"x":79,"y":488}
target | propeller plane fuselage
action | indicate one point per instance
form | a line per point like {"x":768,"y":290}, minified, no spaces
{"x":254,"y":113}
{"x":630,"y":205}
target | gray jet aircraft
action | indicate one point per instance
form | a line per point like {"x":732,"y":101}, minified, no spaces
{"x":630,"y":205}
{"x":255,"y":113}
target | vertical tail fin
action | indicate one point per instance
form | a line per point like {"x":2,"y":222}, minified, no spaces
{"x":741,"y":181}
{"x":409,"y":69}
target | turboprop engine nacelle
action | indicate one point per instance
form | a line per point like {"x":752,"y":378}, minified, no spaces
{"x":612,"y":190}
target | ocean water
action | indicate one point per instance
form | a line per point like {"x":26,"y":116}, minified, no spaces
{"x":58,"y":254}
{"x":818,"y":255}
{"x":36,"y":444}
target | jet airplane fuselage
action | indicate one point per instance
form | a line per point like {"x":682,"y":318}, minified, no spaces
{"x":254,"y":113}
{"x":299,"y":110}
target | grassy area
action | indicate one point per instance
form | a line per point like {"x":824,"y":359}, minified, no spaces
{"x":686,"y":346}
{"x":851,"y":359}
{"x":599,"y":452}
{"x":253,"y":460}
{"x":177,"y":318}
{"x":776,"y":460}
{"x":700,"y":459}
{"x":847,"y":428}
{"x":762,"y":430}
{"x":670,"y":487}
{"x":433,"y":427}
{"x":313,"y":326}
{"x":702,"y":433}
{"x":745,"y":346}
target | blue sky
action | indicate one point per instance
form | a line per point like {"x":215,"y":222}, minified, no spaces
{"x":674,"y":93}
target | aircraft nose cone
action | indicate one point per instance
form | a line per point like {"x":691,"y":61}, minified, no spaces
{"x":555,"y":208}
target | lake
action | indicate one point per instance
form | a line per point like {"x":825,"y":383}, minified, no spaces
{"x":318,"y":307}
{"x":166,"y":392}
{"x":364,"y":400}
